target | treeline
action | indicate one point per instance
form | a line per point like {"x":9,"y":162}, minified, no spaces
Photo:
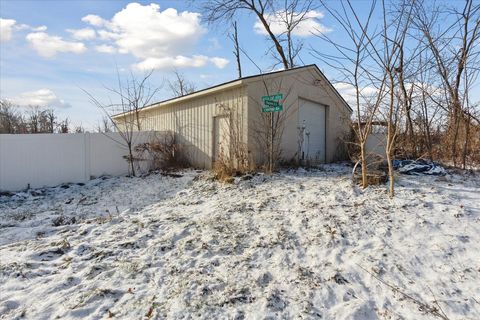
{"x":413,"y":70}
{"x":16,"y":119}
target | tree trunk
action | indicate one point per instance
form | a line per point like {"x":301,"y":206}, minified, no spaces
{"x":130,"y":160}
{"x":465,"y":144}
{"x":270,"y":161}
{"x":426,"y":125}
{"x":363,"y":162}
{"x":412,"y":139}
{"x":237,"y":49}
{"x":454,"y":138}
{"x":138,"y":121}
{"x":278,"y":46}
{"x":390,"y":137}
{"x":391,"y":177}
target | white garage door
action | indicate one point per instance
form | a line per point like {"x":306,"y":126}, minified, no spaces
{"x":311,"y":122}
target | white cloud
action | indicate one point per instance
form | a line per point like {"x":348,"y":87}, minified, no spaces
{"x":180,"y":62}
{"x":24,"y":26}
{"x":83,"y":34}
{"x":48,"y":46}
{"x":172,"y":62}
{"x":6,"y":26}
{"x":94,"y":20}
{"x":308,"y":26}
{"x":159,"y":39}
{"x":104,"y":48}
{"x":37,"y":29}
{"x":214,"y":44}
{"x":348,"y":92}
{"x":41,"y":97}
{"x":219,"y":62}
{"x":106,"y":35}
{"x":146,"y":32}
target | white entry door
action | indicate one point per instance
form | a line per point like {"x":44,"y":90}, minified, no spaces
{"x":311,"y":121}
{"x":221,"y":138}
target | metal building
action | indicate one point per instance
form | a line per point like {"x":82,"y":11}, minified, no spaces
{"x":234,"y":119}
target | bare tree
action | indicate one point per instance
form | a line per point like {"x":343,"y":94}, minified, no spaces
{"x":34,"y":119}
{"x":180,"y":86}
{"x":268,"y":127}
{"x":64,"y":126}
{"x":426,"y":98}
{"x":48,"y":121}
{"x":455,"y":50}
{"x":79,"y":129}
{"x":124,"y":114}
{"x":137,"y":93}
{"x":105,"y":126}
{"x":290,"y":14}
{"x":226,"y":10}
{"x":9,"y":117}
{"x":236,"y":47}
{"x":354,"y":62}
{"x":15,"y":119}
{"x":392,"y":60}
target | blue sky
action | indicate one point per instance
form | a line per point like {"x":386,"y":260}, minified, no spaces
{"x":36,"y":67}
{"x":51,"y":50}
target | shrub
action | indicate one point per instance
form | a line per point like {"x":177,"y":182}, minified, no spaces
{"x":163,"y":152}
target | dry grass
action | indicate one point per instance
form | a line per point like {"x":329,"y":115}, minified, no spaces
{"x":225,"y":169}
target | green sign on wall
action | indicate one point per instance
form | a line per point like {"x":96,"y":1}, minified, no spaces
{"x":272,"y":103}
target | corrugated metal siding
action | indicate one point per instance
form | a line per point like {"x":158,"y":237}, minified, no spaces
{"x":302,"y":84}
{"x":192,"y":121}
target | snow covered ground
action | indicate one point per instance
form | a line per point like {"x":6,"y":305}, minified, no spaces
{"x":296,"y":245}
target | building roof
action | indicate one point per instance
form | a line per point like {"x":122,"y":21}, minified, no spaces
{"x":240,"y":81}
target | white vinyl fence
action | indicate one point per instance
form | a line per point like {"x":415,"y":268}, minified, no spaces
{"x":43,"y":160}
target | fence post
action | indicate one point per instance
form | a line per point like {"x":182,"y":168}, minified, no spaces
{"x":87,"y":153}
